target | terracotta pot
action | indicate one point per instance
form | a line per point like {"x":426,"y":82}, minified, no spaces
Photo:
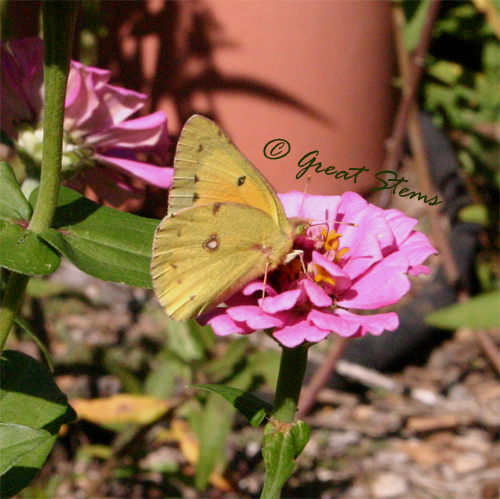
{"x":318,"y":74}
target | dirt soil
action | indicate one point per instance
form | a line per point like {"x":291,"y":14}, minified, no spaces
{"x":432,"y":433}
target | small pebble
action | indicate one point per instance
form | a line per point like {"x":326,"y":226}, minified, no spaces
{"x":459,"y":392}
{"x":339,"y":440}
{"x":467,"y":463}
{"x":391,"y":458}
{"x":476,"y":441}
{"x":325,"y":475}
{"x":389,"y":485}
{"x":252,"y":449}
{"x":425,"y":396}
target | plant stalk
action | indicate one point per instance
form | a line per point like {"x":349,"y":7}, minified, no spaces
{"x":290,"y":378}
{"x":58,"y":27}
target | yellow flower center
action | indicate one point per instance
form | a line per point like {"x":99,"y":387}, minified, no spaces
{"x":330,"y":243}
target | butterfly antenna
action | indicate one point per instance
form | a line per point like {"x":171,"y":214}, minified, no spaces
{"x":301,"y":256}
{"x":333,"y":222}
{"x":264,"y":286}
{"x":308,"y":181}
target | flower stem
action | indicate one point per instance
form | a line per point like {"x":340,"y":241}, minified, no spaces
{"x":58,"y":27}
{"x":11,"y":302}
{"x":290,"y":378}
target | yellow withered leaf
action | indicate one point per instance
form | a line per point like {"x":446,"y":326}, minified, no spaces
{"x":120,"y":409}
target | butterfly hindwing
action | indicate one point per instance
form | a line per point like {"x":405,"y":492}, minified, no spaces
{"x":203,"y":254}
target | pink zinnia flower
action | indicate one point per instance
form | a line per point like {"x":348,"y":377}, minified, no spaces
{"x":363,"y":267}
{"x":99,"y":137}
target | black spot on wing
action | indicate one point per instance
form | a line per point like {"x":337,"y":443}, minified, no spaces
{"x":241,"y":180}
{"x":200,"y":148}
{"x":216,"y":208}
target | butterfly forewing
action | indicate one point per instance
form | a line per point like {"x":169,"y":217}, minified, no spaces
{"x":204,"y":254}
{"x":210,"y":169}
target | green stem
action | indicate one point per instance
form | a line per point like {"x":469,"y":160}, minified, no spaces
{"x":11,"y":302}
{"x":58,"y":27}
{"x":290,"y":378}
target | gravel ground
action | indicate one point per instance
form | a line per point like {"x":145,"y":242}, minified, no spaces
{"x":430,"y":432}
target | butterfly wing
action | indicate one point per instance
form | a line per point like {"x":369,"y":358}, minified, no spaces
{"x":204,"y":254}
{"x":210,"y":169}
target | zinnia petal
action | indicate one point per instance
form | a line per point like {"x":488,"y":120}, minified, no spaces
{"x":374,"y":324}
{"x":257,"y":285}
{"x":341,"y":278}
{"x":154,"y":175}
{"x":296,"y":333}
{"x":383,"y":284}
{"x":366,"y":254}
{"x":92,"y":104}
{"x":316,"y":294}
{"x":400,"y":224}
{"x":283,"y":301}
{"x":254,"y":317}
{"x":21,"y":83}
{"x":223,"y":324}
{"x":369,"y":220}
{"x":141,"y":132}
{"x":417,"y":249}
{"x":332,"y":323}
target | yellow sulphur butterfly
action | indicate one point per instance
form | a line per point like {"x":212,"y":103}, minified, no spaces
{"x":225,"y":224}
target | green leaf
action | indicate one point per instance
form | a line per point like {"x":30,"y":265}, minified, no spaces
{"x":414,"y":26}
{"x":476,"y":213}
{"x":116,"y":366}
{"x":168,"y":373}
{"x":283,"y":443}
{"x":24,"y":325}
{"x":32,"y":409}
{"x":212,"y":426}
{"x":13,"y":204}
{"x":300,"y":432}
{"x":223,"y":366}
{"x":265,"y":364}
{"x":24,"y":252}
{"x":279,"y":451}
{"x":446,"y":72}
{"x":252,"y":407}
{"x":480,"y":312}
{"x":102,"y":242}
{"x":44,"y":288}
{"x":182,"y":342}
{"x":17,"y":442}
